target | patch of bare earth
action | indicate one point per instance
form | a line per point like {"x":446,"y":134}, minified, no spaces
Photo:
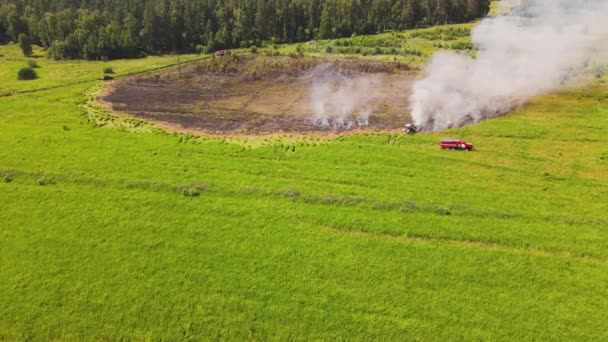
{"x":263,"y":94}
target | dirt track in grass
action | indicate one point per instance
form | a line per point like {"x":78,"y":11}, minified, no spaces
{"x":262,"y":95}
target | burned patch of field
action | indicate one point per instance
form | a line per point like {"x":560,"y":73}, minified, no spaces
{"x":263,"y":94}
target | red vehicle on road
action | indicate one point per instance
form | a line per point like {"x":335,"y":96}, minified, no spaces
{"x":455,"y":144}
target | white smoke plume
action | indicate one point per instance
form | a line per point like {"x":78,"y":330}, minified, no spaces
{"x":541,"y":46}
{"x":339,"y":101}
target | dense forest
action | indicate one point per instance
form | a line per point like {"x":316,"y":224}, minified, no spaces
{"x":100,"y":29}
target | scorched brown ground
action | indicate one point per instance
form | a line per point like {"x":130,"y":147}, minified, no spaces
{"x":259,"y":95}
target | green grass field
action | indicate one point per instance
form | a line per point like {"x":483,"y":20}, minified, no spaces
{"x":122,"y":232}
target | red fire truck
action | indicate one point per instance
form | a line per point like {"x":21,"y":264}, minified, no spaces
{"x":455,"y":144}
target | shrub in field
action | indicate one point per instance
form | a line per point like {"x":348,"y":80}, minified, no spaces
{"x":25,"y":43}
{"x":108,"y":70}
{"x":32,"y":63}
{"x":329,"y":49}
{"x":27,"y":73}
{"x":193,"y":190}
{"x":408,"y":206}
{"x":226,"y":64}
{"x":451,"y":33}
{"x":291,"y":192}
{"x":253,"y":49}
{"x":599,"y":72}
{"x":44,"y":180}
{"x":461,"y":46}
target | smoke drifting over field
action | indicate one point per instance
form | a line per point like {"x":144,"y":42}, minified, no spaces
{"x":540,"y":47}
{"x":340,"y":102}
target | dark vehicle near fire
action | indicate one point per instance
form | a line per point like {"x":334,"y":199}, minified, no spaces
{"x":455,"y":144}
{"x":411,"y":129}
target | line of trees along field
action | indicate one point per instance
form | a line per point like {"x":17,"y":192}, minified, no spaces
{"x":97,"y":29}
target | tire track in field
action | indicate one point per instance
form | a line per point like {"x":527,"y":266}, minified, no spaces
{"x":477,"y":244}
{"x":20,"y":178}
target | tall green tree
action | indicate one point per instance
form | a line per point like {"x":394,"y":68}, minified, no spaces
{"x":25,"y":43}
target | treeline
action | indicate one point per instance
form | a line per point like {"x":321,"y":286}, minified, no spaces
{"x":99,"y":29}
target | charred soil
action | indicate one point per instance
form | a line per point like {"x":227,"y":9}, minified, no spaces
{"x":267,"y":94}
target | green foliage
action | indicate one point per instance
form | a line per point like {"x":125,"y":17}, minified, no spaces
{"x":442,"y":33}
{"x":108,"y":70}
{"x":32,"y":63}
{"x":25,"y":43}
{"x":226,"y":64}
{"x":27,"y":73}
{"x":111,"y":29}
{"x":461,"y":46}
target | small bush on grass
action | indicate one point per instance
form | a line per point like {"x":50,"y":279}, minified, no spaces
{"x":32,"y":63}
{"x":45,"y":180}
{"x":253,"y":49}
{"x":108,"y":70}
{"x":193,"y":190}
{"x":291,"y":192}
{"x":408,"y":206}
{"x":27,"y":73}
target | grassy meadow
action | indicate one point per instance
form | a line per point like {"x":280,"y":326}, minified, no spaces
{"x":114,"y":229}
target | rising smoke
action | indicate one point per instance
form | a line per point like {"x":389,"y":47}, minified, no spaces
{"x":541,"y":46}
{"x":340,"y":101}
